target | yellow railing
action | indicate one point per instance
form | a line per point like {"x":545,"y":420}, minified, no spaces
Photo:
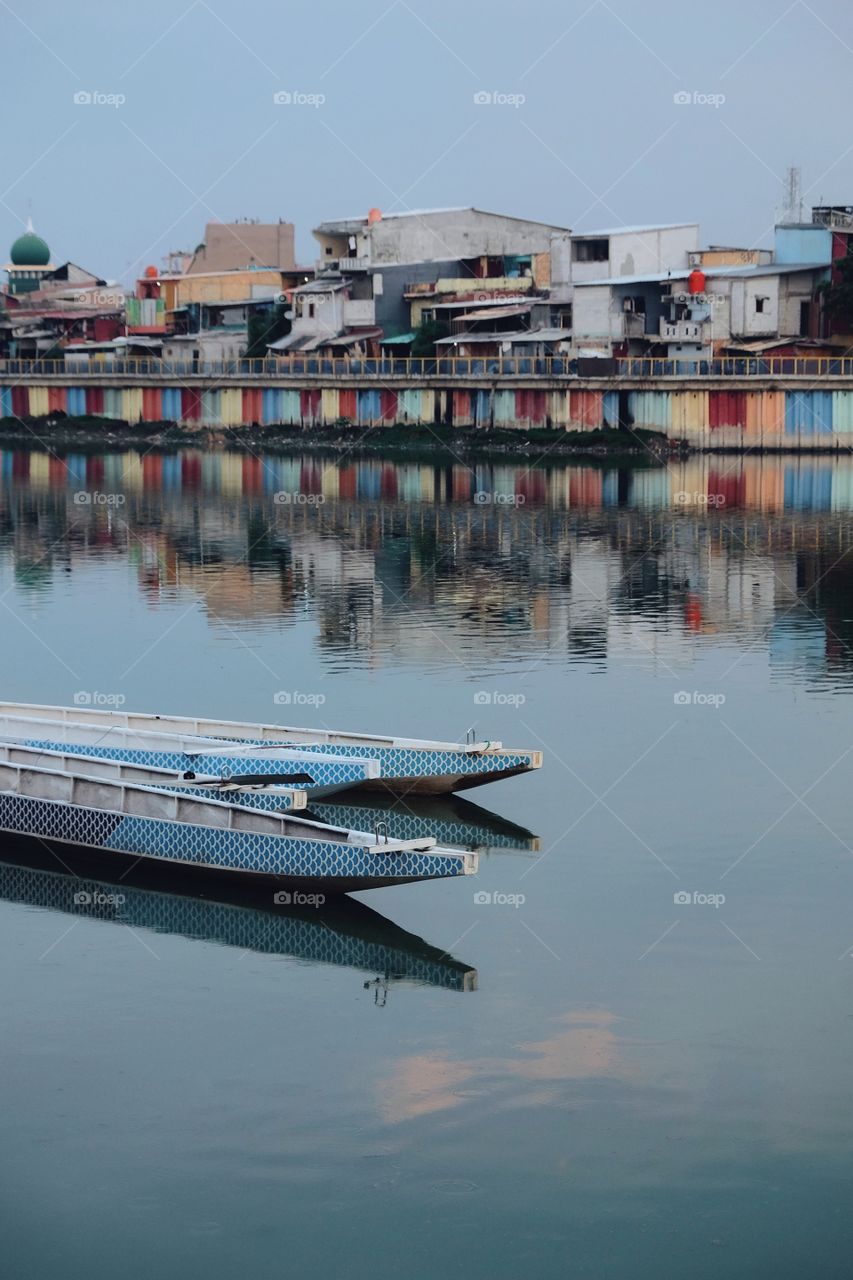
{"x":440,"y":367}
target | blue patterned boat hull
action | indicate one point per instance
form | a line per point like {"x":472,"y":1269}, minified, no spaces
{"x":416,"y":770}
{"x":330,"y":775}
{"x":328,"y":866}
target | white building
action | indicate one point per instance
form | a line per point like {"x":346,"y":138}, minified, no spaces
{"x":631,"y":251}
{"x":428,"y":235}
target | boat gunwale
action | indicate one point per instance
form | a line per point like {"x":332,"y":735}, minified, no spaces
{"x":265,"y":732}
{"x":172,"y":781}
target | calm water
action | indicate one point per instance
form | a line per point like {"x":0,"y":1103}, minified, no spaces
{"x":599,"y":1080}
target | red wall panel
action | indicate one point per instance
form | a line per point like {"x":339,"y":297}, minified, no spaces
{"x":152,"y":404}
{"x":727,"y":409}
{"x":190,"y":405}
{"x":348,"y":406}
{"x":94,"y":399}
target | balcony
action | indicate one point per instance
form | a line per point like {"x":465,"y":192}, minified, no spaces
{"x":341,"y":264}
{"x":685,"y":331}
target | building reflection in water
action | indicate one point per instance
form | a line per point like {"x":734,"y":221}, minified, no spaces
{"x":402,"y":558}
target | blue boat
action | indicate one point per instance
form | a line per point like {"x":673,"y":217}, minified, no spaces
{"x":62,"y":808}
{"x":316,"y":773}
{"x":406,"y":766}
{"x":255,"y":791}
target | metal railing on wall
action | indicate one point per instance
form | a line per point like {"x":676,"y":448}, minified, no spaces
{"x":443,"y":367}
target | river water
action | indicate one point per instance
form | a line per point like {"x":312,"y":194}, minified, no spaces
{"x":632,"y":1059}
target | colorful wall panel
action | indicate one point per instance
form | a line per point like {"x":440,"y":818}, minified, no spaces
{"x":252,"y":407}
{"x":112,"y":402}
{"x":38,"y":402}
{"x":172,"y":404}
{"x":152,"y":404}
{"x":650,"y":410}
{"x":330,"y":405}
{"x":808,"y":413}
{"x":369,"y":407}
{"x":310,"y":406}
{"x":586,"y":409}
{"x":726,"y":409}
{"x":505,"y":415}
{"x":842,"y":412}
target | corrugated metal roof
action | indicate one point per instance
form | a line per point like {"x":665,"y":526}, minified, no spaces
{"x":625,"y":231}
{"x":497,"y":313}
{"x":484,"y":303}
{"x":361,"y":219}
{"x":710,"y":273}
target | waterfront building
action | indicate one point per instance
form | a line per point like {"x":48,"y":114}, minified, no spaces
{"x":401,"y":265}
{"x":236,"y":246}
{"x":29,"y":262}
{"x":47,"y":306}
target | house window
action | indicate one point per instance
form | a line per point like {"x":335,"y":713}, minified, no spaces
{"x":329,"y":250}
{"x":311,"y":310}
{"x":805,"y":319}
{"x":760,"y":305}
{"x":591,"y":250}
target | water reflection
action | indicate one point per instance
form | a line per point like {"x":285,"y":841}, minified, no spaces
{"x":405,"y":559}
{"x":452,"y":820}
{"x":582,"y":1046}
{"x":344,"y":933}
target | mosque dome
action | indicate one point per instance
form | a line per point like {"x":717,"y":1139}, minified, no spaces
{"x":29,"y":250}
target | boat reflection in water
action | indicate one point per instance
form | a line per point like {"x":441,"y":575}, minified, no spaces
{"x":342,"y":932}
{"x":452,"y":820}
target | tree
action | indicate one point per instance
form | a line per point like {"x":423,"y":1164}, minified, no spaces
{"x":265,"y":327}
{"x":426,"y":336}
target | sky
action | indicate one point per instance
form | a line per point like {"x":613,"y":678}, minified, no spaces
{"x":129,"y":127}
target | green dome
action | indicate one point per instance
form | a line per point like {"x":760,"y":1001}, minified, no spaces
{"x":29,"y":250}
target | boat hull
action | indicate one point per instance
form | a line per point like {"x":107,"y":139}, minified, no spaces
{"x":406,"y":765}
{"x":331,"y":775}
{"x":295,"y":864}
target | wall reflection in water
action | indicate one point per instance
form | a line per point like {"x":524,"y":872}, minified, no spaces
{"x":400,"y":558}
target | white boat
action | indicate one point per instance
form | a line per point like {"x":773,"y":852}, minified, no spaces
{"x":256,"y":791}
{"x":127,"y":821}
{"x":316,"y":773}
{"x":405,"y":765}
